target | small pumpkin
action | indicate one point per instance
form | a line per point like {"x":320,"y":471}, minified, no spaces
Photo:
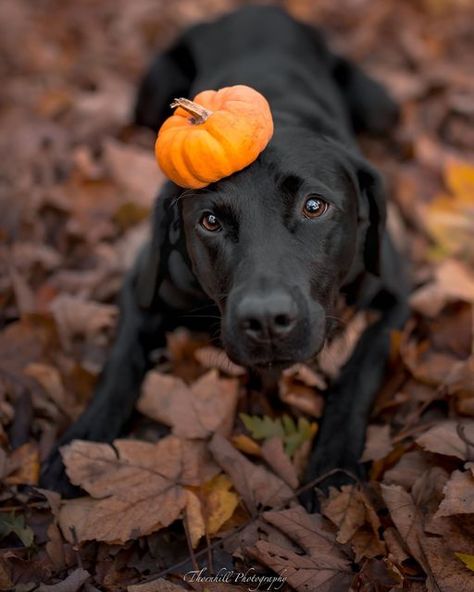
{"x":219,"y":133}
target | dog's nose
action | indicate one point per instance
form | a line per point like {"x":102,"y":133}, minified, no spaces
{"x":265,"y":317}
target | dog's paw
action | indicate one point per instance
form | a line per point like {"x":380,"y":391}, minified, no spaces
{"x":53,"y":476}
{"x":91,"y":426}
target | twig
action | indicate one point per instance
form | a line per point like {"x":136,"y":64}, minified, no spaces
{"x":188,"y":540}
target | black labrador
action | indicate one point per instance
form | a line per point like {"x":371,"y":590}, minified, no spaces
{"x":272,"y":248}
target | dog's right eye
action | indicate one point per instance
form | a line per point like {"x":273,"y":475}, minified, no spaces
{"x":210,"y":222}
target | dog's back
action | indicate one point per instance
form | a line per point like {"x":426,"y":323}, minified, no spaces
{"x":287,"y":61}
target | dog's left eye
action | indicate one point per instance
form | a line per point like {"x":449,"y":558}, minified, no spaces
{"x":314,"y":207}
{"x":210,"y":222}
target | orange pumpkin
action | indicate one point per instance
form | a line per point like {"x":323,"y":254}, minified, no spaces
{"x":217,"y":134}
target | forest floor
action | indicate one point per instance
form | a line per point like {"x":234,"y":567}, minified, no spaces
{"x":77,"y":182}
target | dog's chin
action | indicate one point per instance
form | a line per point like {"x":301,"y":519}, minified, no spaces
{"x":271,"y":361}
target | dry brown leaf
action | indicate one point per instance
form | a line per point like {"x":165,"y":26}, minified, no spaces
{"x":75,"y":317}
{"x":258,"y":487}
{"x":448,"y":573}
{"x":137,"y":487}
{"x":408,"y":520}
{"x":333,"y":357}
{"x":453,"y":281}
{"x":72,"y":583}
{"x":325,"y":567}
{"x":135,"y":170}
{"x":346,"y":510}
{"x":207,"y":406}
{"x":407,"y":470}
{"x":351,"y":511}
{"x":50,"y":379}
{"x":23,"y":466}
{"x":274,"y":454}
{"x":213,"y":357}
{"x":451,"y":438}
{"x":458,"y":495}
{"x":195,"y":522}
{"x":159,"y":585}
{"x":299,"y":386}
{"x":378,"y":443}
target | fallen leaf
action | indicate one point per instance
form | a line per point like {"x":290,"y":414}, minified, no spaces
{"x":257,"y":486}
{"x":72,"y":583}
{"x":298,"y":387}
{"x":458,"y":495}
{"x":468,"y":560}
{"x":293,"y":435}
{"x":206,"y":407}
{"x":346,"y":510}
{"x":194,"y":518}
{"x":219,"y":502}
{"x":450,"y":218}
{"x":452,"y":438}
{"x":324,"y":567}
{"x":24,"y":465}
{"x":405,"y":473}
{"x":75,"y":317}
{"x":453,"y":281}
{"x":213,"y":357}
{"x":378,"y":443}
{"x":135,"y":170}
{"x":11,"y":523}
{"x":136,"y":487}
{"x":274,"y":454}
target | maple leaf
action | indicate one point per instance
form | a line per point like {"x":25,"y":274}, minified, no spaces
{"x":136,"y":487}
{"x":325,"y":567}
{"x":207,"y":406}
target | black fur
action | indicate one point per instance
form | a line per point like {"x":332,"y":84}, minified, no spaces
{"x":272,"y":275}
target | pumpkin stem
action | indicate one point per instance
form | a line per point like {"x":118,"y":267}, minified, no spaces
{"x":199,"y":113}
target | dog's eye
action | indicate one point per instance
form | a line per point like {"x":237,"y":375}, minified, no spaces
{"x":314,"y":207}
{"x":210,"y":222}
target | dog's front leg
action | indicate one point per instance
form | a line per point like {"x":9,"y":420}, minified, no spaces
{"x":139,"y":332}
{"x":341,"y":438}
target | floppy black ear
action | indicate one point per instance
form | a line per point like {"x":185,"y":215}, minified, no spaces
{"x":153,"y":257}
{"x":372,"y":215}
{"x":169,"y":76}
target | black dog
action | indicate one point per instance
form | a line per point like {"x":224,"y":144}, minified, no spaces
{"x":272,"y":248}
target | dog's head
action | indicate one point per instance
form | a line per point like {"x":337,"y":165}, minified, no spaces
{"x":273,"y":244}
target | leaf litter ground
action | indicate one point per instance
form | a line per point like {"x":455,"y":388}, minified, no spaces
{"x":208,"y":476}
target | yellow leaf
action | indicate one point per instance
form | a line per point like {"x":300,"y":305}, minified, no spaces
{"x":220,"y":502}
{"x":450,"y":218}
{"x":468,"y":560}
{"x":245,"y":444}
{"x":194,"y":518}
{"x":459,"y":179}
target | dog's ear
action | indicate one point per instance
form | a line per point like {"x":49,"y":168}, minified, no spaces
{"x":154,"y":255}
{"x":169,"y":76}
{"x":372,"y":214}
